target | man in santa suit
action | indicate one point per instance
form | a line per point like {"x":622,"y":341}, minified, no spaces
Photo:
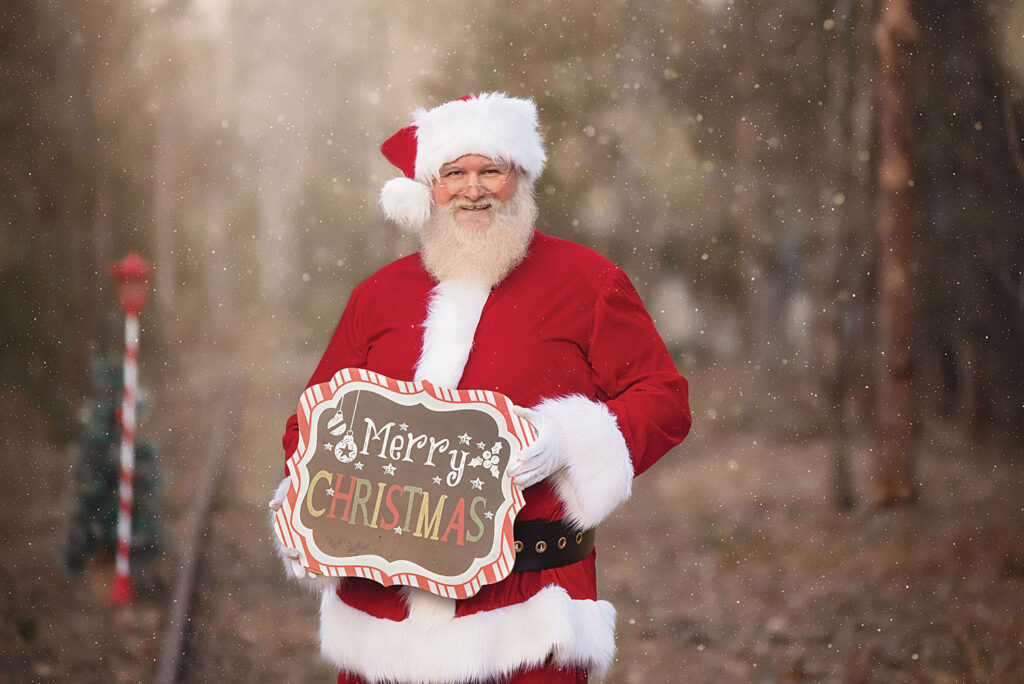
{"x":489,"y":303}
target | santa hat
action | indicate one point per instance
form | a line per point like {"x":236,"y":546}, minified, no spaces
{"x":491,"y":124}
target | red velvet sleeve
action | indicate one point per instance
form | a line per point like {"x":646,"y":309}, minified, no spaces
{"x":346,"y":349}
{"x":635,"y":370}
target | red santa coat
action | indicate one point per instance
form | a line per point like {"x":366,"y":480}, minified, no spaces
{"x":566,"y":333}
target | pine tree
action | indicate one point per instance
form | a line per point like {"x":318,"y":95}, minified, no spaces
{"x":94,"y":476}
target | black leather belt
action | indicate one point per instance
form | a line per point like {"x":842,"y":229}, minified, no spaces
{"x":546,"y":545}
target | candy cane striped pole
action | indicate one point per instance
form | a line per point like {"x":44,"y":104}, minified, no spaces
{"x":122,"y":592}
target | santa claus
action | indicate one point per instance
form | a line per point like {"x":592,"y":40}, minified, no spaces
{"x":490,"y":303}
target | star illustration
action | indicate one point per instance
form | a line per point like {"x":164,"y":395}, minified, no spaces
{"x":330,"y":491}
{"x":477,"y":483}
{"x":398,"y":530}
{"x":358,"y":465}
{"x":464,"y":438}
{"x":481,"y":446}
{"x":437,"y":479}
{"x":389,"y":469}
{"x":403,"y":426}
{"x":488,"y":515}
{"x":328,"y":446}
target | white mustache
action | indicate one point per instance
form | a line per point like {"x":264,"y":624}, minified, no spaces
{"x":479,"y":204}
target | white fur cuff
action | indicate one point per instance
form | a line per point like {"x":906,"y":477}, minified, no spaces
{"x":598,"y":473}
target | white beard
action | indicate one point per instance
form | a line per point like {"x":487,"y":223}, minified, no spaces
{"x":483,"y":256}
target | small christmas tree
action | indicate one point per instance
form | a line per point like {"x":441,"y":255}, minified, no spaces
{"x":94,"y":475}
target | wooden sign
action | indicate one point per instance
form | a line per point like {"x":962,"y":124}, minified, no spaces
{"x":404,"y":483}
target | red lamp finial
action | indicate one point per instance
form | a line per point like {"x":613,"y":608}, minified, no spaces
{"x":132,"y":274}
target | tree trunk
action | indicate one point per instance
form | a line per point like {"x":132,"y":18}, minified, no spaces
{"x":218,"y":281}
{"x":82,"y":271}
{"x":836,"y":277}
{"x":164,"y":183}
{"x":895,"y":34}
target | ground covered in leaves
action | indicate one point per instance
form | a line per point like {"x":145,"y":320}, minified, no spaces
{"x":728,"y":564}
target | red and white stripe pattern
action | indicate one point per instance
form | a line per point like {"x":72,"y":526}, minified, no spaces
{"x":122,"y":591}
{"x":489,"y":573}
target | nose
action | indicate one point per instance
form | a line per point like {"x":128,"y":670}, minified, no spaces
{"x":474,"y":190}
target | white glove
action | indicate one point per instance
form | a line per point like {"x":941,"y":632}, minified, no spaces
{"x":541,"y":458}
{"x":290,"y":557}
{"x":288,"y":552}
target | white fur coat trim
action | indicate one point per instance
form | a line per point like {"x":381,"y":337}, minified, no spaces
{"x":598,"y":473}
{"x":435,"y":647}
{"x":453,"y":313}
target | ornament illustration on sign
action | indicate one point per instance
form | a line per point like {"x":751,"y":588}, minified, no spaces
{"x":436,"y":511}
{"x":345,"y":450}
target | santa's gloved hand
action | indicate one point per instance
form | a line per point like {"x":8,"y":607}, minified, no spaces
{"x":290,"y":556}
{"x":541,"y":458}
{"x":288,"y":552}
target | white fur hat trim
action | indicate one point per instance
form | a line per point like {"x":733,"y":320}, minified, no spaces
{"x":491,"y":124}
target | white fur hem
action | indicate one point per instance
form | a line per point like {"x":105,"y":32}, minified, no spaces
{"x":598,"y":473}
{"x":452,"y":316}
{"x":314,"y":583}
{"x":434,"y":648}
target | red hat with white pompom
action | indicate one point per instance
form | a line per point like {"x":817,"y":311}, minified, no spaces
{"x":490,"y":124}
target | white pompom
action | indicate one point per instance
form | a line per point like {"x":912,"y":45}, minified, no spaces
{"x":406,"y":202}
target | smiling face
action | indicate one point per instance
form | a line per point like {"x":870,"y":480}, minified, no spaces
{"x":482,"y":237}
{"x":475,"y":206}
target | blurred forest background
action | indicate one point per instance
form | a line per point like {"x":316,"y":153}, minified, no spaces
{"x":820,"y":203}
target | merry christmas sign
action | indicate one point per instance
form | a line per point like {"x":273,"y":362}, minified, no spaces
{"x":404,"y":483}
